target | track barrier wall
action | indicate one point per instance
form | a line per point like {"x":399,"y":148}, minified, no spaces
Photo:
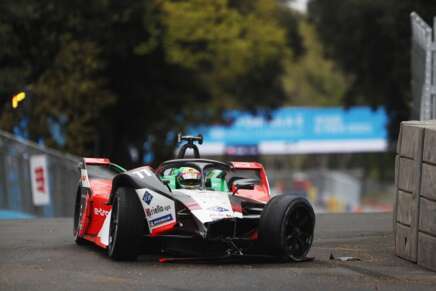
{"x":415,"y":181}
{"x":35,"y":181}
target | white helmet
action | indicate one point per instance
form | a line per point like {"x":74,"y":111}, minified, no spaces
{"x":189,"y":178}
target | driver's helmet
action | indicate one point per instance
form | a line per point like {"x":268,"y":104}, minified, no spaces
{"x":189,"y":178}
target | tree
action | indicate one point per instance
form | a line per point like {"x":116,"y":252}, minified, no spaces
{"x":118,"y":77}
{"x":313,"y":80}
{"x":50,"y":56}
{"x":370,"y":41}
{"x":238,"y":54}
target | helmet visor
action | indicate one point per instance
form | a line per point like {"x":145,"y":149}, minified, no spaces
{"x":190,"y":182}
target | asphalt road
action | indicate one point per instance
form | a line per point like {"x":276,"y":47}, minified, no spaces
{"x":40,"y":255}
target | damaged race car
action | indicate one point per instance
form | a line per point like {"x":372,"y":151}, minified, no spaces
{"x":189,"y":208}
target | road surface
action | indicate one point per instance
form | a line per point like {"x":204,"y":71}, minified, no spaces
{"x":40,"y":254}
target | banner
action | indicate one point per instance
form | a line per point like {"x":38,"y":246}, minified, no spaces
{"x":299,"y":130}
{"x":39,"y":177}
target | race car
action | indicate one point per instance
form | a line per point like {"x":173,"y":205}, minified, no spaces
{"x":189,"y":208}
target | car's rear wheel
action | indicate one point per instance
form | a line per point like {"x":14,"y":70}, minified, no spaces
{"x":286,"y":227}
{"x":80,"y":208}
{"x":126,"y":228}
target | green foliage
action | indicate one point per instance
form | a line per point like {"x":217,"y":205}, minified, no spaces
{"x":370,"y":41}
{"x":61,"y":74}
{"x":113,"y":74}
{"x":313,"y":80}
{"x":74,"y":81}
{"x":237,"y":55}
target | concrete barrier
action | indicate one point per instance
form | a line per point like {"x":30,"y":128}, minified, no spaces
{"x":415,"y":181}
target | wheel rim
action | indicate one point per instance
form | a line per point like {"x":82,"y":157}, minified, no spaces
{"x":299,"y":232}
{"x":113,"y":229}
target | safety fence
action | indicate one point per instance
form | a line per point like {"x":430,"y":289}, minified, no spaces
{"x":423,"y":60}
{"x":34,"y":180}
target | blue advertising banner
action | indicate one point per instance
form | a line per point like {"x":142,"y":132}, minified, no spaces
{"x":293,"y":130}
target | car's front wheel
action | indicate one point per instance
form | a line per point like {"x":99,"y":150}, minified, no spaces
{"x":286,"y":227}
{"x":126,"y":229}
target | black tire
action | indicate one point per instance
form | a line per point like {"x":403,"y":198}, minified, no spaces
{"x":126,"y":230}
{"x":79,"y":207}
{"x":286,"y":227}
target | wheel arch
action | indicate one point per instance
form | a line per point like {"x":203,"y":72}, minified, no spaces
{"x":139,"y":178}
{"x":121,"y":180}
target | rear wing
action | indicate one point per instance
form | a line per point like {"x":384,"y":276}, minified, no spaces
{"x":255,"y":166}
{"x":97,"y":161}
{"x":103,"y":162}
{"x":97,"y":168}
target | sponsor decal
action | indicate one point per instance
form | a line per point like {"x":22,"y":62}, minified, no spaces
{"x":40,"y":179}
{"x":147,"y":197}
{"x":218,"y":209}
{"x":214,"y":205}
{"x":142,"y":173}
{"x":101,"y":212}
{"x":39,"y":175}
{"x":215,"y":216}
{"x":161,"y":220}
{"x":156,"y":210}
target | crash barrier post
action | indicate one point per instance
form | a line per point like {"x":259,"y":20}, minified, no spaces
{"x":423,"y":65}
{"x":415,"y":203}
{"x":35,"y":180}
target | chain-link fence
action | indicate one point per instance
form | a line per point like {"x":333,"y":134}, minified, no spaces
{"x":21,"y":179}
{"x":423,"y":69}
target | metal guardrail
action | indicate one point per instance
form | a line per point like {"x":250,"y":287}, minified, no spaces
{"x":16,"y":191}
{"x":423,"y":59}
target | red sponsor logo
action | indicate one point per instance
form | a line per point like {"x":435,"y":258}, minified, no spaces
{"x":40,"y":179}
{"x":101,"y":212}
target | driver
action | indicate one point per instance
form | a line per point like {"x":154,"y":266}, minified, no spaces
{"x":189,"y":178}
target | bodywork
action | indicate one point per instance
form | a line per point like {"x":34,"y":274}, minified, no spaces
{"x":216,"y":217}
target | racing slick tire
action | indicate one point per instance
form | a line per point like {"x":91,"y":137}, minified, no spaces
{"x":79,"y":212}
{"x":286,"y":227}
{"x":126,"y":228}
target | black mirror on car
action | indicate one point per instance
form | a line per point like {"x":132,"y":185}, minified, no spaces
{"x":167,"y":183}
{"x":247,"y":184}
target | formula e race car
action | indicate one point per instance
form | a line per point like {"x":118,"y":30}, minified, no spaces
{"x":189,"y":207}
